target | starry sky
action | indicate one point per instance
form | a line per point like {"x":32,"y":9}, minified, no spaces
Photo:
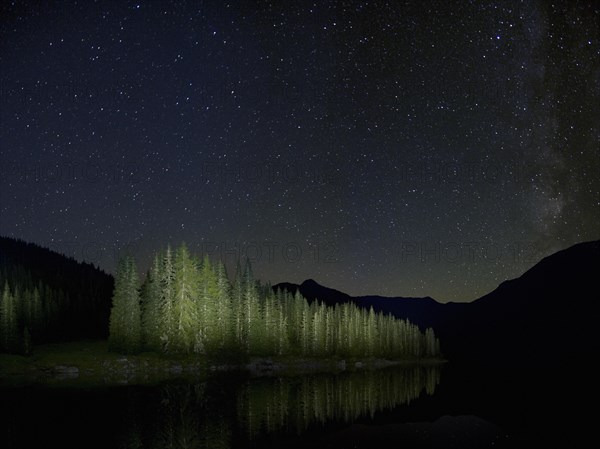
{"x":429,"y":148}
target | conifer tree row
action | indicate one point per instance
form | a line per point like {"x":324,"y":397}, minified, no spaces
{"x":186,"y":305}
{"x":29,"y":315}
{"x":125,"y":331}
{"x":47,"y":297}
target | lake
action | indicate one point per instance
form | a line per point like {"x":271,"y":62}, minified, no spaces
{"x":414,"y":407}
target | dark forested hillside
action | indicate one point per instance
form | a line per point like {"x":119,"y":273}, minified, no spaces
{"x":550,"y":312}
{"x":46,"y":296}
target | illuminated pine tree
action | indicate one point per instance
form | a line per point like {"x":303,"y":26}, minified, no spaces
{"x":283,"y":343}
{"x":225,"y":319}
{"x":329,"y":331}
{"x":237,"y":307}
{"x":295,"y":329}
{"x":306,"y":329}
{"x":188,"y":336}
{"x":275,"y":325}
{"x":167,"y":281}
{"x":318,"y":330}
{"x":271,"y":322}
{"x":212,"y":306}
{"x":151,"y":299}
{"x":125,"y":317}
{"x":253,"y":325}
{"x":371,"y":333}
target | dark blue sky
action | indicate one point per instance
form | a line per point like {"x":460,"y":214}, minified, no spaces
{"x":427,"y":149}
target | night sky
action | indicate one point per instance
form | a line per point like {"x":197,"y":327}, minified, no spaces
{"x":436,"y":148}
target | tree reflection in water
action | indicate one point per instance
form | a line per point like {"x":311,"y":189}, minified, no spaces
{"x":222,"y":413}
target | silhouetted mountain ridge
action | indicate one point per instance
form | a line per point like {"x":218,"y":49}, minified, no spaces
{"x":549,"y":311}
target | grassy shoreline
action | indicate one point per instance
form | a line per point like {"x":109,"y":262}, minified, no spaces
{"x":89,"y":363}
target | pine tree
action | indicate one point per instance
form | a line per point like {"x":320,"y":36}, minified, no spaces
{"x":167,"y":280}
{"x":225,"y":319}
{"x":188,"y":335}
{"x":306,"y":329}
{"x":431,"y":344}
{"x":125,"y":317}
{"x":329,"y":331}
{"x":9,"y":324}
{"x":295,"y":312}
{"x":271,"y":321}
{"x":318,"y":328}
{"x":151,"y":306}
{"x":253,"y":325}
{"x":208,"y":307}
{"x":37,"y":318}
{"x":237,"y":307}
{"x":283,"y":343}
{"x":371,"y":333}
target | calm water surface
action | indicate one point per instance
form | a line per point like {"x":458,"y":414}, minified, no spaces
{"x":395,"y":407}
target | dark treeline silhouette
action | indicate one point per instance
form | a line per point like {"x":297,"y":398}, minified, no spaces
{"x":186,"y":305}
{"x":47,"y":297}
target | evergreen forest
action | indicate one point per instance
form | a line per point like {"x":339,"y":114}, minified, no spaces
{"x":187,"y":305}
{"x":46,"y":297}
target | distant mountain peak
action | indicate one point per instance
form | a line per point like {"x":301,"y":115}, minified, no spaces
{"x":311,"y":282}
